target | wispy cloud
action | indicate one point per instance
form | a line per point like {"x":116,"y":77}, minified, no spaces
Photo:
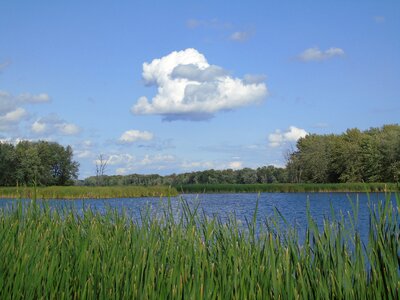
{"x":189,"y":88}
{"x":241,"y":36}
{"x":379,"y":19}
{"x":315,"y":54}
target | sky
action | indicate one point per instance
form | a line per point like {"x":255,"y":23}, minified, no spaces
{"x":179,"y":86}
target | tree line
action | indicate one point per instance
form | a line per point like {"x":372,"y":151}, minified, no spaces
{"x":40,"y":163}
{"x":372,"y":155}
{"x":267,"y":174}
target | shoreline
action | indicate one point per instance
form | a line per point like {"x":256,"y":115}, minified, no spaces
{"x":110,"y":192}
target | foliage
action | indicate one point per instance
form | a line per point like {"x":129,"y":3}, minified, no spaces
{"x":42,"y":163}
{"x":52,"y":254}
{"x":268,"y":174}
{"x":354,"y":156}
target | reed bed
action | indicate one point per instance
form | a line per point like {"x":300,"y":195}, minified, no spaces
{"x":289,"y":187}
{"x":86,"y":192}
{"x":50,"y":254}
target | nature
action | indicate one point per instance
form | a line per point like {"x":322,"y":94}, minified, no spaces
{"x":199,"y":150}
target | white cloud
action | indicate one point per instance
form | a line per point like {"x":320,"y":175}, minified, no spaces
{"x":240,"y":36}
{"x":13,"y":116}
{"x":39,"y":127}
{"x":119,"y":159}
{"x":131,"y":136}
{"x":12,"y":111}
{"x":52,"y":124}
{"x":292,"y":134}
{"x":315,"y":54}
{"x":202,"y":165}
{"x":192,"y":89}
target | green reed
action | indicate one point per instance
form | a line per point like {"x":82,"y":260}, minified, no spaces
{"x":86,"y":192}
{"x":53,"y":254}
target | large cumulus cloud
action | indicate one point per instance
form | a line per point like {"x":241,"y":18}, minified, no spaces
{"x":188,"y":87}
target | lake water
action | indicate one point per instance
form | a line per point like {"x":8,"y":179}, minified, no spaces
{"x":292,"y":206}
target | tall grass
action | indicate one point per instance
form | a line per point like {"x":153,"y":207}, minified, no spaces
{"x":288,"y":187}
{"x":68,"y":255}
{"x":85,"y":192}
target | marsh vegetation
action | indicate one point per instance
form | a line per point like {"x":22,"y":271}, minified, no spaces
{"x":71,"y":255}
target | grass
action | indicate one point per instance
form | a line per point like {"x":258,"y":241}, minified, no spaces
{"x":69,"y":255}
{"x":85,"y":192}
{"x":288,"y":187}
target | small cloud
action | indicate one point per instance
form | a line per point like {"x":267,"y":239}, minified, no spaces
{"x":315,"y":54}
{"x":193,"y":23}
{"x":292,"y":134}
{"x":235,"y":165}
{"x":39,"y":127}
{"x":13,"y":116}
{"x":191,"y":89}
{"x":131,"y":136}
{"x":379,"y":19}
{"x":240,"y":36}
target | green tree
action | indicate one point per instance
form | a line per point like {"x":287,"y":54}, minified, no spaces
{"x":7,"y":165}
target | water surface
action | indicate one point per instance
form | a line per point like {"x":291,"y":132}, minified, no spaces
{"x":292,"y":206}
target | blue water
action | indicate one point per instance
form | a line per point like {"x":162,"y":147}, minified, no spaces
{"x":292,"y":206}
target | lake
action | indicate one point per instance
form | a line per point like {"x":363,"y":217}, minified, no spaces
{"x":292,"y":206}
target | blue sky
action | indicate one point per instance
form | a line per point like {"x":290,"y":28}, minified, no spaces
{"x":177,"y":86}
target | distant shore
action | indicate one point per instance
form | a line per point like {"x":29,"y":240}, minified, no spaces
{"x":86,"y":192}
{"x":289,"y":188}
{"x":108,"y":192}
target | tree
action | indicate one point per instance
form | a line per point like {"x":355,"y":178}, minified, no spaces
{"x":101,"y":164}
{"x":42,"y":163}
{"x":7,"y":164}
